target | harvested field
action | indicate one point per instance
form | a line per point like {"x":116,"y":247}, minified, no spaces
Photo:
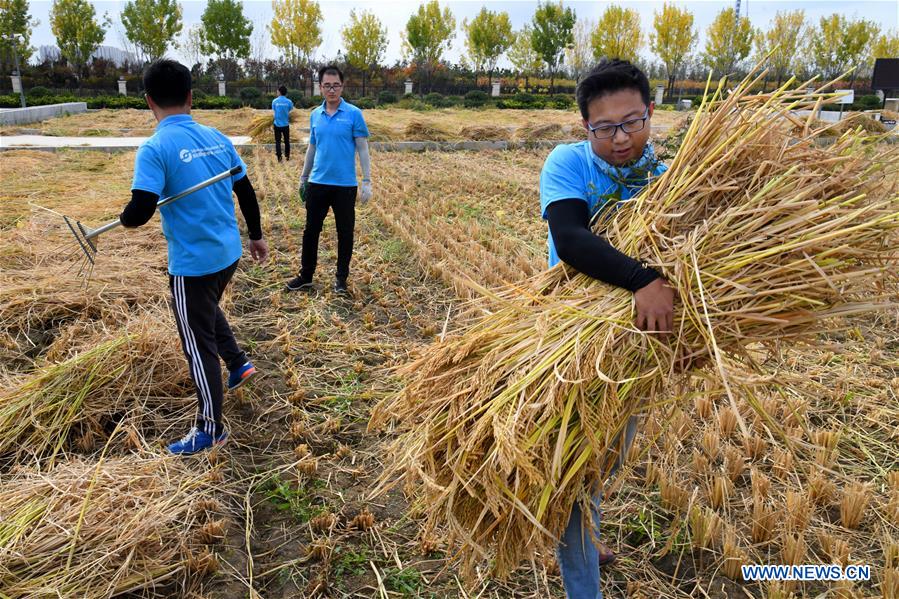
{"x":290,"y":514}
{"x":385,"y":124}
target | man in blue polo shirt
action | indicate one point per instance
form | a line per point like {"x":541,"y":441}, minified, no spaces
{"x":337,"y":133}
{"x":203,"y":239}
{"x":281,"y":106}
{"x":577,"y":180}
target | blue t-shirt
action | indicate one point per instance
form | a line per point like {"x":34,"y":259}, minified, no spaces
{"x":334,"y":137}
{"x":281,"y":106}
{"x":201,"y":228}
{"x":574,"y":171}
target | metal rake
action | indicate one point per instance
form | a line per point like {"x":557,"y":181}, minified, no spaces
{"x":86,"y":237}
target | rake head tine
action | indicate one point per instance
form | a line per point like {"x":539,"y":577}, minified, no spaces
{"x":87,"y":268}
{"x":86,"y":246}
{"x":86,"y":238}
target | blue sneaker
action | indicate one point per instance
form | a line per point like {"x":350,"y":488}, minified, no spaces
{"x":196,"y":441}
{"x":240,"y":376}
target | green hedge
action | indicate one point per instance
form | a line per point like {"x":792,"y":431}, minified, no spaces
{"x":437,"y":100}
{"x":476,"y":98}
{"x":12,"y":101}
{"x":386,"y":97}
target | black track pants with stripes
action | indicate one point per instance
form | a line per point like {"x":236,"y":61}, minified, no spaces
{"x":206,"y":337}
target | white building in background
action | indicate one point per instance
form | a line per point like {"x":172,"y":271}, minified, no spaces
{"x":115,"y":55}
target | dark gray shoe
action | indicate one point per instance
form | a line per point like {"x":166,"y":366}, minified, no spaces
{"x":299,"y":284}
{"x":340,"y":287}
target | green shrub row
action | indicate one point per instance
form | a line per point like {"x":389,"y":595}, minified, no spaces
{"x":251,"y":96}
{"x":12,"y":101}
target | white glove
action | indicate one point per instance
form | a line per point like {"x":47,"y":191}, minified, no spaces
{"x":365,"y":192}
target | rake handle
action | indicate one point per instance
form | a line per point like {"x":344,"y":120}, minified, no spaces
{"x":88,"y":235}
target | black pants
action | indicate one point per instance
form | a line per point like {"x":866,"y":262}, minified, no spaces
{"x":343,"y":201}
{"x":206,"y":337}
{"x":285,"y":132}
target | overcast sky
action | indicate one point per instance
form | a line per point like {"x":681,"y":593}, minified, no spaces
{"x":395,"y":13}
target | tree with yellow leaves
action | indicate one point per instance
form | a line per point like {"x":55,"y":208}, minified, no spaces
{"x":618,"y":34}
{"x":886,"y":46}
{"x":428,"y":33}
{"x":488,"y":36}
{"x":787,"y":33}
{"x":296,"y":30}
{"x":728,"y":42}
{"x":838,"y":44}
{"x":365,"y":40}
{"x":525,"y":60}
{"x":672,"y":38}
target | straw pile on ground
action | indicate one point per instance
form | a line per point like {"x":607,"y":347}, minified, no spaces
{"x":422,"y":131}
{"x":98,"y":379}
{"x":540,"y":131}
{"x":509,"y":421}
{"x":97,"y":529}
{"x":484,"y":132}
{"x":849,"y":123}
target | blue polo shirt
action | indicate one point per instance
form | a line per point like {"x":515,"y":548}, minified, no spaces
{"x":281,"y":106}
{"x":574,"y":171}
{"x":334,"y":137}
{"x":200,"y":229}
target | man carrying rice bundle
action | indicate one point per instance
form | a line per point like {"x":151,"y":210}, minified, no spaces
{"x":614,"y":164}
{"x":281,"y":107}
{"x":510,"y":425}
{"x":203,"y":239}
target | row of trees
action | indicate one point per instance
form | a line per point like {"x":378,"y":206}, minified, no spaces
{"x":553,"y":39}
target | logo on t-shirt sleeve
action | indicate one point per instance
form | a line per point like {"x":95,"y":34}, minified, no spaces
{"x":185,"y":155}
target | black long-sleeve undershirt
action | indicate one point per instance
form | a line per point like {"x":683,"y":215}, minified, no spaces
{"x":580,"y":248}
{"x":140,"y":209}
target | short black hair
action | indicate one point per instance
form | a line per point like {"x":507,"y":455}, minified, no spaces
{"x":330,"y":70}
{"x":609,"y":76}
{"x":282,"y":90}
{"x":167,"y":82}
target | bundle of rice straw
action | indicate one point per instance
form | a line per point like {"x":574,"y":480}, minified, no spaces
{"x":484,"y":132}
{"x":422,"y":131}
{"x":540,"y":131}
{"x":97,"y":529}
{"x":509,"y":421}
{"x":261,"y":129}
{"x":131,"y":372}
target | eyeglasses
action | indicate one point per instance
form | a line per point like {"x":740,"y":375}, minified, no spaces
{"x":631,"y":126}
{"x":332,"y":87}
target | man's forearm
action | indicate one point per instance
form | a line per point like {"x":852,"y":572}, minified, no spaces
{"x":308,"y":161}
{"x":249,"y":207}
{"x":364,"y":157}
{"x":591,"y":254}
{"x":140,"y":209}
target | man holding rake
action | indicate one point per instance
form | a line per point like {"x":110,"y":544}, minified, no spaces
{"x":577,"y":180}
{"x":203,"y":239}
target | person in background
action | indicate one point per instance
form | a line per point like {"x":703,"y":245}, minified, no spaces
{"x":615,"y":163}
{"x":337,"y":133}
{"x":281,"y":106}
{"x":202,"y":235}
